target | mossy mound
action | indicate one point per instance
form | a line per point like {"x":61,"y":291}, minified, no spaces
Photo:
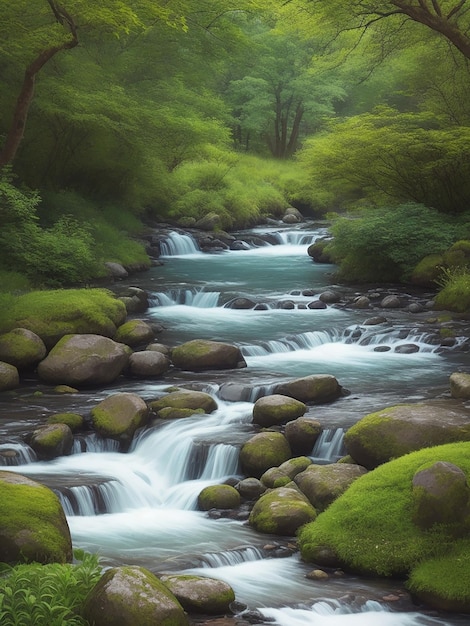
{"x":32,"y":522}
{"x":218,"y":497}
{"x":370,"y":528}
{"x":55,"y":313}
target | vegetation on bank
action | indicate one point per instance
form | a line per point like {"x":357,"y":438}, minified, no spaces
{"x":47,"y":595}
{"x":371,"y":530}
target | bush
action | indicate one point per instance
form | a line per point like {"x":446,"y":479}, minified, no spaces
{"x":455,"y":292}
{"x":47,"y":595}
{"x":386,"y":244}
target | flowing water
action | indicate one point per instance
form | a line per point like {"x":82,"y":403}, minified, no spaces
{"x":139,"y":506}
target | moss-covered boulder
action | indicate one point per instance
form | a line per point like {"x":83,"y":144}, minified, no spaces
{"x":200,"y":594}
{"x":441,"y":495}
{"x":371,"y":527}
{"x":73,"y":420}
{"x":319,"y":251}
{"x":52,"y":314}
{"x":276,"y":409}
{"x":134,"y":333}
{"x":262,"y":451}
{"x":250,"y":488}
{"x":52,"y":441}
{"x":218,"y":497}
{"x":397,"y":430}
{"x":322,"y":484}
{"x":315,"y":389}
{"x":22,"y":348}
{"x":202,"y":354}
{"x":9,"y":377}
{"x":460,"y":385}
{"x":33,"y":526}
{"x":148,"y":364}
{"x":287,"y":470}
{"x":281,"y":511}
{"x":302,"y":434}
{"x":84,"y":360}
{"x":127,"y":596}
{"x":184,"y":399}
{"x":119,"y":416}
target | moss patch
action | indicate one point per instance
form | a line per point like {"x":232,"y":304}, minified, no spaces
{"x":370,"y":527}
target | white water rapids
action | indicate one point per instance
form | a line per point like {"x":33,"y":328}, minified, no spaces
{"x":140,"y":507}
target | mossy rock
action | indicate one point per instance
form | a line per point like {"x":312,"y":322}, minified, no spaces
{"x":52,"y":441}
{"x":53,"y":314}
{"x":33,"y":526}
{"x":171,"y":413}
{"x":22,"y":348}
{"x":84,"y":360}
{"x":185,"y":399}
{"x":73,"y":420}
{"x":398,"y":430}
{"x":200,"y":594}
{"x":119,"y":416}
{"x":302,"y":434}
{"x":280,"y":476}
{"x":322,"y":484}
{"x":134,"y":333}
{"x":370,"y":528}
{"x":218,"y":497}
{"x":319,"y":251}
{"x":202,"y":354}
{"x":315,"y":389}
{"x":428,"y":270}
{"x":127,"y":596}
{"x":281,"y":511}
{"x":9,"y":377}
{"x":264,"y":450}
{"x":277,"y":409}
{"x":460,"y":385}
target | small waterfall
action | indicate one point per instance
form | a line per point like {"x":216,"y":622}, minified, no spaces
{"x":94,"y":443}
{"x":81,"y":500}
{"x":187,"y":297}
{"x":232,"y":557}
{"x":295,"y":237}
{"x":12,"y":454}
{"x":329,"y":446}
{"x":177,"y":244}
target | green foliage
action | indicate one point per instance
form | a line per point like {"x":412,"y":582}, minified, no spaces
{"x":387,"y":155}
{"x":445,"y":576}
{"x":455,"y":290}
{"x":370,"y":527}
{"x":47,"y":595}
{"x":385,"y":244}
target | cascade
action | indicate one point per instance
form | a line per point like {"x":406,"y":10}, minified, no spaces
{"x":178,"y":244}
{"x":187,"y":297}
{"x":15,"y":453}
{"x":328,"y":447}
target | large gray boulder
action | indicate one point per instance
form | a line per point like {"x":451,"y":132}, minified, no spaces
{"x":200,"y":594}
{"x":315,"y":389}
{"x":131,"y":596}
{"x":148,"y":364}
{"x":22,"y":348}
{"x":322,"y":484}
{"x":84,"y":360}
{"x":33,"y":526}
{"x":9,"y":377}
{"x":459,"y":385}
{"x":264,"y":450}
{"x":398,"y":430}
{"x":276,"y":409}
{"x":118,"y":416}
{"x":202,"y":354}
{"x":281,"y":512}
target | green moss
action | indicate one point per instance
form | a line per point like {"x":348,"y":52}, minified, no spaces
{"x":72,"y":420}
{"x":34,"y":511}
{"x":49,"y":437}
{"x":428,"y":270}
{"x":370,"y":527}
{"x":218,"y":497}
{"x":282,"y":482}
{"x":51,"y":314}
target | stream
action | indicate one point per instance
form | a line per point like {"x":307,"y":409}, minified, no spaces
{"x":139,"y":506}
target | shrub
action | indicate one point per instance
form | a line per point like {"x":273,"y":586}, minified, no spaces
{"x":386,"y":244}
{"x":455,"y":292}
{"x":47,"y":595}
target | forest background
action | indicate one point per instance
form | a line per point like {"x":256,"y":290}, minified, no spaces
{"x":116,"y":114}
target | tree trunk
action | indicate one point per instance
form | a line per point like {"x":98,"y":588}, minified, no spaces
{"x":23,"y":103}
{"x":294,"y":135}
